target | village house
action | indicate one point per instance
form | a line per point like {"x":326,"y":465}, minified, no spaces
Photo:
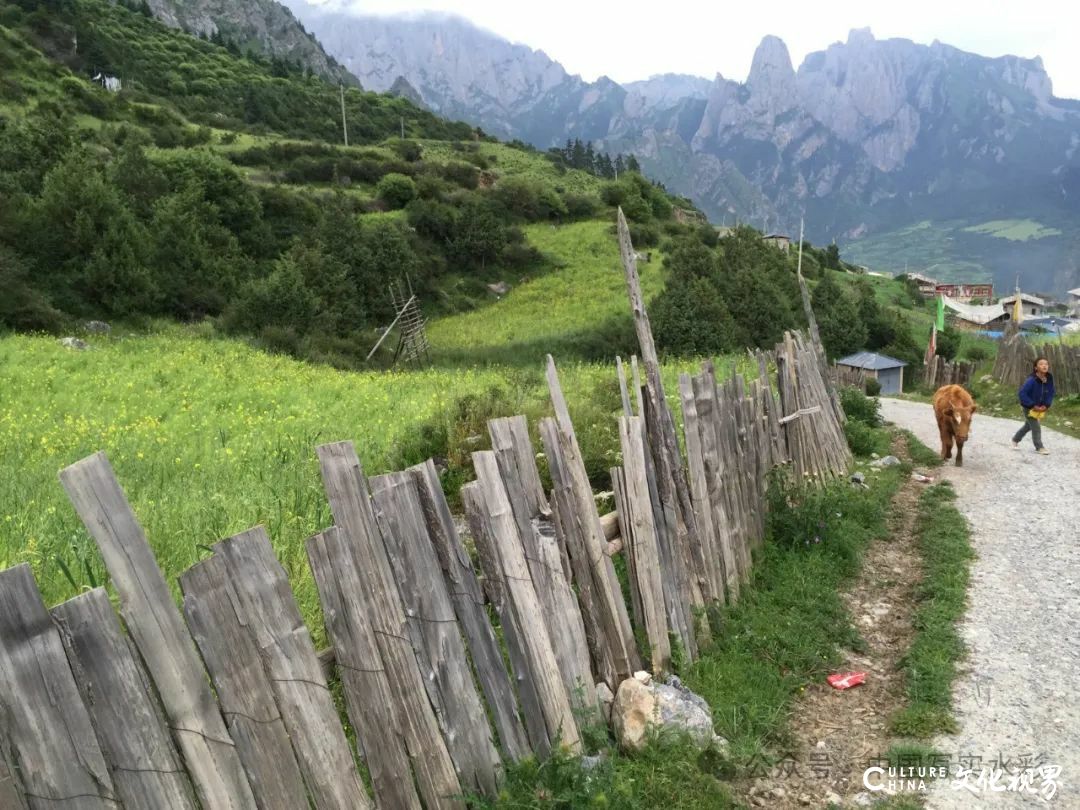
{"x":1032,"y":305}
{"x":1074,"y":302}
{"x":888,"y":371}
{"x":927,"y":286}
{"x":778,"y":240}
{"x":966,"y":293}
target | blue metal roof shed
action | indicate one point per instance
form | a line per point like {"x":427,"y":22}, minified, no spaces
{"x":888,"y":371}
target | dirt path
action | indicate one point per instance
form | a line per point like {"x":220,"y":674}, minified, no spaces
{"x":1018,"y":696}
{"x":838,"y":734}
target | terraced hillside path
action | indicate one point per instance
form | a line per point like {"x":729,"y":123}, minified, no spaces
{"x":1018,"y":693}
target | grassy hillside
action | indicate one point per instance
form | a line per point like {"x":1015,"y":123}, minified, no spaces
{"x":211,"y":186}
{"x":576,"y":303}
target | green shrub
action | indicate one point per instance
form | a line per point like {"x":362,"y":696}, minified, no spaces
{"x":859,"y":407}
{"x":863,"y":439}
{"x":948,"y":342}
{"x":396,"y":190}
{"x":580,"y":206}
{"x":873,"y":387}
{"x":407,"y":150}
{"x":530,"y":199}
{"x":461,"y":174}
{"x":976,"y":353}
{"x":644,"y":235}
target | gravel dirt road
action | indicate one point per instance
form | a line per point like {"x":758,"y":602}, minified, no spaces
{"x":1018,"y":693}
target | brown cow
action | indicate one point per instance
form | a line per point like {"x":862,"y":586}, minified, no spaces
{"x":953,"y":407}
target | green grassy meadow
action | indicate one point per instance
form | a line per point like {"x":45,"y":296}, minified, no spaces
{"x":1015,"y":230}
{"x":577,"y":298}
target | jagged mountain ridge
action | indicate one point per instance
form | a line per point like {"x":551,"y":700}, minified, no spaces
{"x":865,"y":137}
{"x":265,"y":25}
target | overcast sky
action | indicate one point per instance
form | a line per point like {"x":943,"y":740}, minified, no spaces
{"x":595,"y":38}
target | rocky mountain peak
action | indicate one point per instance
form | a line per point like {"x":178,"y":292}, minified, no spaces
{"x":860,"y":36}
{"x":771,"y":69}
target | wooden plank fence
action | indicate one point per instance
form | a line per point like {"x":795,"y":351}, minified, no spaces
{"x":941,"y":372}
{"x":1016,"y":358}
{"x":226,"y":704}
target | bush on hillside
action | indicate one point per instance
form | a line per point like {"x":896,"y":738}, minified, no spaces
{"x":976,"y":353}
{"x":396,"y":190}
{"x":530,"y":199}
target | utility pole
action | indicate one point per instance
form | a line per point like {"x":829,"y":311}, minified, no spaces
{"x":344,"y":126}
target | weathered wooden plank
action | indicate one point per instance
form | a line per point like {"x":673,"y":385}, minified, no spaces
{"x":571,"y":537}
{"x":155,"y":625}
{"x":145,"y":767}
{"x":368,"y":692}
{"x":44,"y":726}
{"x":244,"y":692}
{"x":268,"y":613}
{"x":673,"y":572}
{"x":569,"y":464}
{"x":468,"y":599}
{"x":663,"y":440}
{"x":719,"y":498}
{"x":12,"y":795}
{"x":497,"y":590}
{"x":636,"y":377}
{"x":350,"y":503}
{"x":713,"y":578}
{"x":433,"y":628}
{"x":618,"y":484}
{"x":532,"y":514}
{"x":647,"y":578}
{"x":521,"y":595}
{"x":624,"y":393}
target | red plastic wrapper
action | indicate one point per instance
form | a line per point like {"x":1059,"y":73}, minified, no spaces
{"x":845,"y":680}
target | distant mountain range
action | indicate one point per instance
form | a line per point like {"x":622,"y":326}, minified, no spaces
{"x":907,"y":155}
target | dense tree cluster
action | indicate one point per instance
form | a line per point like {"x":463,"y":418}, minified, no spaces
{"x":578,"y":155}
{"x":736,"y":291}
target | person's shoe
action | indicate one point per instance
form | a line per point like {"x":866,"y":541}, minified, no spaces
{"x":1042,"y":451}
{"x":1016,"y":445}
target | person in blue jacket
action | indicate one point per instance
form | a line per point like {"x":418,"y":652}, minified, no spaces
{"x":1036,"y":396}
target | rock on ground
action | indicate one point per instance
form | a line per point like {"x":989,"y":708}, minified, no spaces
{"x":643,"y":705}
{"x":1018,"y":693}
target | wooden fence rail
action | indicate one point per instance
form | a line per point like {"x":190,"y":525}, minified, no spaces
{"x":226,"y":704}
{"x":1016,"y":357}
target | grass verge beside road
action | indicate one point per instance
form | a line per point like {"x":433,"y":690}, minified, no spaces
{"x":930,"y":664}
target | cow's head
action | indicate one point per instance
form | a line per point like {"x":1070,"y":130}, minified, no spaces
{"x":960,"y":414}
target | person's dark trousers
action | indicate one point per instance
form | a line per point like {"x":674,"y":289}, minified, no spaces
{"x":1034,"y":426}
